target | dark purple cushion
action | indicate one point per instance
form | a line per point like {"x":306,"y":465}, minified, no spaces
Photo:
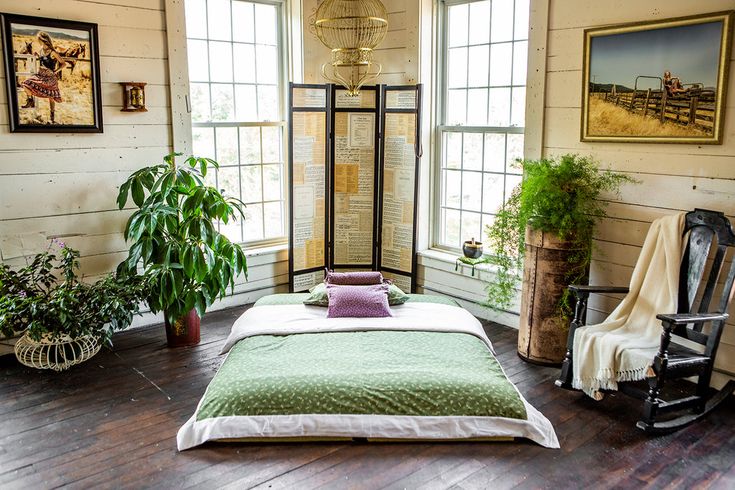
{"x":354,"y":278}
{"x":358,"y":301}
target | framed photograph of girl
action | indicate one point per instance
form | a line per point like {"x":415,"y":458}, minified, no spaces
{"x":52,"y":71}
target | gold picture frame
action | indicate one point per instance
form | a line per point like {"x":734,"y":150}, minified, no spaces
{"x":657,"y":82}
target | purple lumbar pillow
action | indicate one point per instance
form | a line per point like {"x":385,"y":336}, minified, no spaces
{"x":354,"y":278}
{"x":358,"y":301}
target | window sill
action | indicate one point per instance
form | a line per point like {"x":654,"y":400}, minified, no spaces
{"x":484,"y":272}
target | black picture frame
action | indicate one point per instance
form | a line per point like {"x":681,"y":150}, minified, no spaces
{"x":77,"y":44}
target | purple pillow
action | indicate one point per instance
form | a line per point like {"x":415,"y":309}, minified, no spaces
{"x":358,"y":301}
{"x":366,"y":278}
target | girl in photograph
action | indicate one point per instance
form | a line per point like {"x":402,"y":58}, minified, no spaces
{"x":45,"y":83}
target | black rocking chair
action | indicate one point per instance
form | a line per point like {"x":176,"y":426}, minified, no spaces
{"x":711,"y":236}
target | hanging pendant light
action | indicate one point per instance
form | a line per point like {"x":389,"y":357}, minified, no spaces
{"x":352,"y":29}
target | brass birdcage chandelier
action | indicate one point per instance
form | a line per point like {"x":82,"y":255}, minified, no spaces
{"x":352,"y":29}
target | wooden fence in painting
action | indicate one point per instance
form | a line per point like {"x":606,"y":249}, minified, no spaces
{"x":695,"y":108}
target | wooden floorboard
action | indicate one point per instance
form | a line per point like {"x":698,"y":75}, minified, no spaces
{"x":112,"y":422}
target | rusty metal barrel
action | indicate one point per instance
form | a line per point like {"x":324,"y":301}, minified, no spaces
{"x":542,"y":336}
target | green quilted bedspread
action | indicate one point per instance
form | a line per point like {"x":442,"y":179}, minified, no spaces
{"x":376,"y":372}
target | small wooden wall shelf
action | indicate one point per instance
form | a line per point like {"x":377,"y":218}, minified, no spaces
{"x":133,"y":97}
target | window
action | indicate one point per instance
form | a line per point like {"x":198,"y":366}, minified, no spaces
{"x":236,"y":83}
{"x":481,"y":114}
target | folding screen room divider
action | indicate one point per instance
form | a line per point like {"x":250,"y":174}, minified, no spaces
{"x":353,"y":181}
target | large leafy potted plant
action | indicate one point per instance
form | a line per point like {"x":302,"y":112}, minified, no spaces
{"x":175,"y":243}
{"x":543,"y":235}
{"x":64,"y":319}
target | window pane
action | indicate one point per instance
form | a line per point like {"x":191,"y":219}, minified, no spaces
{"x":220,"y":61}
{"x":244,"y":63}
{"x":511,"y":181}
{"x":492,"y":197}
{"x":199,"y":102}
{"x":470,"y":226}
{"x":227,"y":146}
{"x":457,"y":70}
{"x":249,"y":145}
{"x":243,"y":22}
{"x":198,"y":61}
{"x":246,"y":107}
{"x":499,"y":107}
{"x":273,"y":219}
{"x":253,"y":226}
{"x":451,"y":228}
{"x":251,"y":183}
{"x":232,"y":230}
{"x":453,"y":188}
{"x":196,"y":18}
{"x":519,"y":107}
{"x":458,"y":25}
{"x":520,"y":62}
{"x":477,"y":67}
{"x":501,"y":64}
{"x":501,"y":28}
{"x":228,"y":179}
{"x":521,"y":24}
{"x":266,"y":28}
{"x":494,"y":152}
{"x":515,"y":152}
{"x":203,"y":142}
{"x":222,"y":103}
{"x":477,"y":107}
{"x":487,"y":220}
{"x":453,"y":146}
{"x":267,"y":71}
{"x":272,"y":182}
{"x":472,"y":152}
{"x":272,"y":145}
{"x":457,"y":106}
{"x":218,"y":17}
{"x":479,"y":21}
{"x":267,"y":103}
{"x":471,"y":191}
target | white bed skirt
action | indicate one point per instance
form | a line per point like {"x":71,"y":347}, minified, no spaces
{"x":536,"y":428}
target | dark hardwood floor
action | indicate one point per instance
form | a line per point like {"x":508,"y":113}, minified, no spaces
{"x":112,"y":423}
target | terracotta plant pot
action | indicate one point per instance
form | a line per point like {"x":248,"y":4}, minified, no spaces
{"x":542,"y":335}
{"x":184,"y":332}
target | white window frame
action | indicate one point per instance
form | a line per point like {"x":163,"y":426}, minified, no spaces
{"x":182,"y":123}
{"x":441,"y":127}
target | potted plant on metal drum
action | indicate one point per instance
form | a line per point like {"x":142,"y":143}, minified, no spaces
{"x":64,"y":319}
{"x":544,"y":232}
{"x":175,"y":243}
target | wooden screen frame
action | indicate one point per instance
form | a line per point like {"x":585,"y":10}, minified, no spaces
{"x":327,"y":175}
{"x":377,"y":160}
{"x":418,"y":152}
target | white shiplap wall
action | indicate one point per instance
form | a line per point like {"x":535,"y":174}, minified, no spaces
{"x":66,"y":184}
{"x":673,"y":177}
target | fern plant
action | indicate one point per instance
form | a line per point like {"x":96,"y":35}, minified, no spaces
{"x":187,"y":262}
{"x":557,"y":195}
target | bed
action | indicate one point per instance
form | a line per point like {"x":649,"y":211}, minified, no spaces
{"x":426,"y":373}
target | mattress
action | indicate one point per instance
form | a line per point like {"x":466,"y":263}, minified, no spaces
{"x":428,"y":372}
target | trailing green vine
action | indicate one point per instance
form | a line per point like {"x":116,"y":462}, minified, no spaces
{"x":557,"y":195}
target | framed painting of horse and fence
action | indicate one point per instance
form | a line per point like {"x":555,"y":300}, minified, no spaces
{"x":657,"y":82}
{"x":52,"y":74}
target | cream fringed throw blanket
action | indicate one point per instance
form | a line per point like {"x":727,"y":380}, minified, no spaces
{"x":598,"y":359}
